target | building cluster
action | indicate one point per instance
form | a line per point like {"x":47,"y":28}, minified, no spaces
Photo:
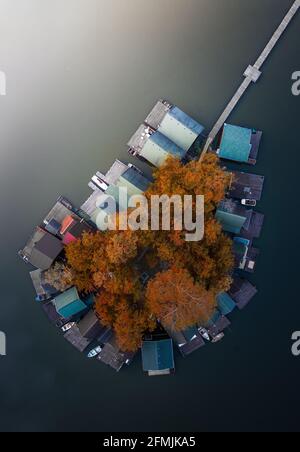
{"x":166,"y":131}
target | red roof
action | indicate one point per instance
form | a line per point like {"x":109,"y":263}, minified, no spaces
{"x":69,"y":238}
{"x":67,"y":222}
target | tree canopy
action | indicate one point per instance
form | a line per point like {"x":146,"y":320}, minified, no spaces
{"x":186,"y":276}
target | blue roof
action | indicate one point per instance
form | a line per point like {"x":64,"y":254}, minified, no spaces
{"x":137,"y":179}
{"x":167,"y":145}
{"x":236,"y":143}
{"x":186,"y":120}
{"x":225,"y":303}
{"x":158,"y":355}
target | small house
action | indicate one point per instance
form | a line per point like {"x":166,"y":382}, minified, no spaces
{"x":42,"y":249}
{"x":90,"y":326}
{"x":75,"y":338}
{"x":217,"y":325}
{"x":113,"y":356}
{"x":158,"y":357}
{"x":246,"y":186}
{"x":119,"y":175}
{"x":242,"y":291}
{"x":237,"y":219}
{"x":245,"y":254}
{"x":52,"y":314}
{"x":233,"y":216}
{"x":43,"y":290}
{"x":239,"y":144}
{"x":187,"y":341}
{"x":174,"y":124}
{"x":153,"y":147}
{"x":225,"y":303}
{"x":69,"y":304}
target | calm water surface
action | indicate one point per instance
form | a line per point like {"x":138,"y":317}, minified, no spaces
{"x":81,"y":77}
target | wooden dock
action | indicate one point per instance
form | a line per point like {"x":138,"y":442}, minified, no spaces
{"x":252,"y":75}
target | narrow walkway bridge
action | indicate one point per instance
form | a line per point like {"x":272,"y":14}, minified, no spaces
{"x":252,"y":74}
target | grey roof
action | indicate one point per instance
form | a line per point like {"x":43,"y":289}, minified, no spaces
{"x":115,"y":172}
{"x":254,"y":227}
{"x":42,"y":249}
{"x":90,"y":326}
{"x":53,"y":316}
{"x":36,"y":277}
{"x":242,"y":291}
{"x":140,"y":137}
{"x":157,"y":114}
{"x":186,"y":343}
{"x":112,"y":355}
{"x":219,"y":326}
{"x":90,"y":204}
{"x":246,"y":185}
{"x":76,"y":339}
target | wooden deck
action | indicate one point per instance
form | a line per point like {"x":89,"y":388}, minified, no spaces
{"x":252,"y":75}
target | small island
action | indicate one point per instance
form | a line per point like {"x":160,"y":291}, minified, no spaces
{"x":112,"y":293}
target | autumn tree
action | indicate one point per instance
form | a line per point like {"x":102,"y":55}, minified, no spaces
{"x":209,"y":261}
{"x":177,"y":301}
{"x":194,"y":272}
{"x":59,"y":276}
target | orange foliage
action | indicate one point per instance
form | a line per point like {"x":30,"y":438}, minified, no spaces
{"x":105,"y":262}
{"x":177,"y":301}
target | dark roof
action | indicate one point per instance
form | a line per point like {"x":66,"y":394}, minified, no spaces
{"x":42,"y":249}
{"x":77,"y":229}
{"x":105,"y":335}
{"x":187,"y":341}
{"x":242,"y":291}
{"x":245,"y":185}
{"x":112,"y":355}
{"x":192,"y":346}
{"x":219,"y":326}
{"x":90,"y":326}
{"x":50,"y":311}
{"x":253,"y":229}
{"x":76,"y":339}
{"x":255,"y":143}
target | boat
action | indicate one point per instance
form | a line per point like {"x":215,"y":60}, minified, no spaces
{"x":67,"y":326}
{"x":218,"y":338}
{"x":249,"y":202}
{"x":204,"y":334}
{"x":95,"y":352}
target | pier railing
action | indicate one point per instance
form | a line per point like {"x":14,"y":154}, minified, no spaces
{"x":252,"y":74}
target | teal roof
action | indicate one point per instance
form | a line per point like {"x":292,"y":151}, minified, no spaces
{"x":68,"y":303}
{"x":236,"y":143}
{"x":158,"y":355}
{"x":225,"y":303}
{"x":230,"y":222}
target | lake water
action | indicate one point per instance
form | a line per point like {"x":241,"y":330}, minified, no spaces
{"x":81,"y":76}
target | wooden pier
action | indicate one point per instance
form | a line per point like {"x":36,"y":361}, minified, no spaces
{"x":252,"y":74}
